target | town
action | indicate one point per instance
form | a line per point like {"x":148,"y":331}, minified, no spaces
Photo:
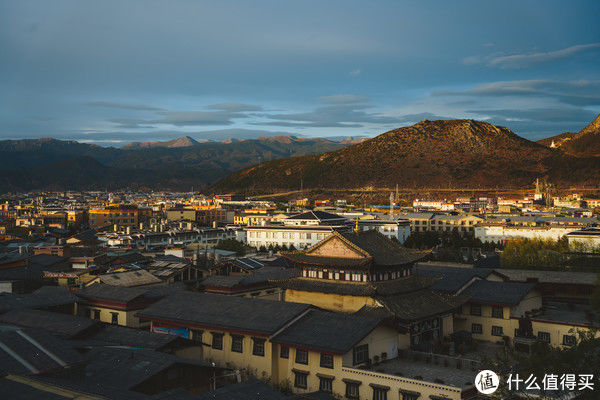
{"x":182,"y":295}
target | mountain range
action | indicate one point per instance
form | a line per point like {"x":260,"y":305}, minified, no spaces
{"x":432,"y":154}
{"x":178,"y":164}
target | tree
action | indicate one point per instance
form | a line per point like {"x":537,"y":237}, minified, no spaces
{"x":580,"y":359}
{"x":232,"y":245}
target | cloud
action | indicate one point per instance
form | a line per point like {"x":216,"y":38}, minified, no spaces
{"x":342,"y":99}
{"x":550,"y":114}
{"x":577,"y":93}
{"x":234,"y":107}
{"x":526,"y":60}
{"x":334,"y":115}
{"x":355,"y":72}
{"x":139,"y":107}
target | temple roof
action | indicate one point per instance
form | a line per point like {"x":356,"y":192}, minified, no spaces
{"x":364,"y":249}
{"x":384,"y":288}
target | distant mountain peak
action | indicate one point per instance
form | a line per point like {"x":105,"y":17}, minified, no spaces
{"x":585,"y":143}
{"x":184,"y":141}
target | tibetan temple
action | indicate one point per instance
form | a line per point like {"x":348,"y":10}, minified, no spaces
{"x":367,"y":273}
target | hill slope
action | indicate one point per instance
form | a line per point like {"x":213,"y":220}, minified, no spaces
{"x":454,"y":153}
{"x":178,"y":164}
{"x":585,"y":143}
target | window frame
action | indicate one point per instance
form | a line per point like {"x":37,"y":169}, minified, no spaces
{"x":298,"y":360}
{"x":217,"y":344}
{"x":476,"y":307}
{"x":114,"y":316}
{"x":323,"y":364}
{"x":478,"y":331}
{"x":495,"y":328}
{"x":350,"y":393}
{"x":234,"y":341}
{"x":495,"y":312}
{"x":360,"y":350}
{"x":258,"y":347}
{"x":543,"y":336}
{"x":303,"y":384}
{"x":284,"y":354}
{"x":565,"y":342}
{"x":328,"y":387}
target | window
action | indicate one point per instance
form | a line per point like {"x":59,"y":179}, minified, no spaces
{"x":326,"y":360}
{"x":301,"y":356}
{"x":544,"y":336}
{"x":380,"y":393}
{"x":300,"y":381}
{"x":476,"y":328}
{"x":114,"y":318}
{"x":259,"y":347}
{"x":475,"y":309}
{"x":217,"y":341}
{"x":569,"y":340}
{"x":352,"y":390}
{"x":497,"y":312}
{"x":97,"y":314}
{"x":196,"y":335}
{"x":237,"y":343}
{"x":497,"y":331}
{"x":360,"y":354}
{"x":284,"y":352}
{"x":409,"y":395}
{"x":326,"y":384}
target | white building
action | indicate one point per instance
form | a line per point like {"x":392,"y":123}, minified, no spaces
{"x":392,"y":228}
{"x":298,"y":236}
{"x":499,"y":232}
{"x":589,"y":239}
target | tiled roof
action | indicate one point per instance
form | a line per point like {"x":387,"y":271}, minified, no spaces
{"x":138,"y":277}
{"x":63,"y":324}
{"x":100,"y":291}
{"x":501,"y":293}
{"x":316,"y":215}
{"x":46,"y":296}
{"x":262,"y":275}
{"x":452,"y":278}
{"x":419,"y":305}
{"x":249,"y":390}
{"x":327,"y":331}
{"x":389,"y":287}
{"x":224,"y":312}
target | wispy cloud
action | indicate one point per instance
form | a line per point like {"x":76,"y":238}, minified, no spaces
{"x":529,"y":59}
{"x":355,"y":72}
{"x":342,"y":99}
{"x":138,"y":107}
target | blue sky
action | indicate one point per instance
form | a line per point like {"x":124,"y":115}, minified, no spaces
{"x":112,"y":72}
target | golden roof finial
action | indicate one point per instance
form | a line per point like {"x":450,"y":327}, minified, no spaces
{"x":356,"y":226}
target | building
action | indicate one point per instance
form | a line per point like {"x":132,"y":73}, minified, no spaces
{"x":585,"y":240}
{"x":500,"y":232}
{"x":119,"y":214}
{"x":398,"y":229}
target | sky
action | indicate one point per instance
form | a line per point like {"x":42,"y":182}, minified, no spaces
{"x":112,"y":72}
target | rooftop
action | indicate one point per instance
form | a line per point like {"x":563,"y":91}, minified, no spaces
{"x":225,"y":312}
{"x":500,"y":293}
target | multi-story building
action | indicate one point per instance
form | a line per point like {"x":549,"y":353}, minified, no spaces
{"x":118,"y":214}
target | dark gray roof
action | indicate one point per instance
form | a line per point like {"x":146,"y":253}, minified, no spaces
{"x":390,"y":287}
{"x":123,"y":294}
{"x":29,"y":351}
{"x":20,"y":391}
{"x":46,"y":296}
{"x":224,"y":312}
{"x":320,"y":395}
{"x":62,"y":324}
{"x":327,"y":331}
{"x":250,"y":390}
{"x":316,"y":215}
{"x":419,"y":305}
{"x":46,"y":259}
{"x":262,"y":275}
{"x":500,"y":293}
{"x":123,"y":336}
{"x":115,"y":372}
{"x":452,"y":278}
{"x":248,"y":263}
